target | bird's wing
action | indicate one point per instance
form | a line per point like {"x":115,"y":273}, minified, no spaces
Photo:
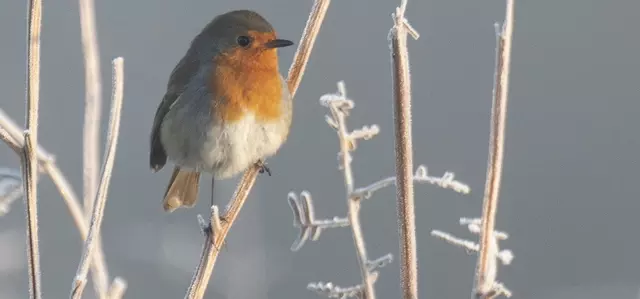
{"x":180,"y":76}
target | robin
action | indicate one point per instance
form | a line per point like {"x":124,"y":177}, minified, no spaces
{"x":226,"y":108}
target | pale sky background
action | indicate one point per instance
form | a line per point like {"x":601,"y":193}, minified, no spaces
{"x":569,"y":198}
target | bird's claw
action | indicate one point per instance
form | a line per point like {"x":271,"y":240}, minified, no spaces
{"x":263,"y":167}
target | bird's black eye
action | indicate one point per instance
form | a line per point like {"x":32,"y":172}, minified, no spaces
{"x":243,"y":40}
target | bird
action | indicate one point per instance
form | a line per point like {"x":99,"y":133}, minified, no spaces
{"x":226,"y":106}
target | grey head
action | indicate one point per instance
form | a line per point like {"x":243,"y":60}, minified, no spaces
{"x":236,"y":29}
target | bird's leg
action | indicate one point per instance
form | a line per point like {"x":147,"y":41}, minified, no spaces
{"x":209,"y":229}
{"x":213,"y":181}
{"x":263,"y":167}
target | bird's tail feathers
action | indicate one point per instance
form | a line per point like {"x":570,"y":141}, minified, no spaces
{"x":182,"y":190}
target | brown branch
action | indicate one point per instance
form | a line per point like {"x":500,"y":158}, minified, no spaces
{"x":29,"y":158}
{"x":485,"y":279}
{"x":404,"y":152}
{"x":311,"y":30}
{"x":216,"y":234}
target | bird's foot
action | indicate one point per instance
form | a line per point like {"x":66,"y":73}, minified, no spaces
{"x":263,"y":167}
{"x":210,"y":232}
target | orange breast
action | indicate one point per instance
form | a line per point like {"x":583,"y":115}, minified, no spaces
{"x":246,"y":83}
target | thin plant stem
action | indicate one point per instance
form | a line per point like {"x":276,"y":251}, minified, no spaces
{"x":29,"y":157}
{"x":6,"y":137}
{"x":90,"y":244}
{"x":353,"y":205}
{"x":93,"y":103}
{"x":215,"y":234}
{"x":485,"y":277}
{"x":404,"y":152}
{"x":91,"y":131}
{"x":301,"y":57}
{"x":210,"y":248}
{"x":10,"y":134}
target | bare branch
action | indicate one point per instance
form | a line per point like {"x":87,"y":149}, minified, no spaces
{"x":308,"y":39}
{"x":380,"y":262}
{"x":333,"y":291}
{"x":215,"y":234}
{"x":48,"y":166}
{"x":404,"y":151}
{"x":6,"y":137}
{"x":29,"y":155}
{"x":92,"y":107}
{"x":421,"y":175}
{"x":91,"y":131}
{"x":212,"y":243}
{"x":304,"y":218}
{"x":29,"y":170}
{"x":107,"y":167}
{"x":339,"y":106}
{"x":485,"y":285}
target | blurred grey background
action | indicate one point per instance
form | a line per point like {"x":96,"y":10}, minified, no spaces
{"x":568,"y":196}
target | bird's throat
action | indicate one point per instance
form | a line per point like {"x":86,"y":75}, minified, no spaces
{"x":237,"y":91}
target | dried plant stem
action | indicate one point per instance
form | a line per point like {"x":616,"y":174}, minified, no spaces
{"x":93,"y":103}
{"x":107,"y":167}
{"x":311,"y":29}
{"x":11,"y":134}
{"x":404,"y":152}
{"x":29,"y":158}
{"x":210,"y":248}
{"x":353,"y":205}
{"x":91,"y":131}
{"x":6,"y":137}
{"x":215,"y":234}
{"x":484,"y":280}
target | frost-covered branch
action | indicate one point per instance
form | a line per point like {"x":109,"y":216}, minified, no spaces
{"x":404,"y":150}
{"x":486,"y":285}
{"x":91,"y":243}
{"x":29,"y":156}
{"x":340,"y":106}
{"x":304,"y":218}
{"x":447,"y":181}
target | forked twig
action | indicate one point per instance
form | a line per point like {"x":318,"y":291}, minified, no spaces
{"x":29,"y":158}
{"x":485,"y":285}
{"x":404,"y":151}
{"x":340,"y":107}
{"x":90,"y":244}
{"x":304,"y":218}
{"x":216,"y":234}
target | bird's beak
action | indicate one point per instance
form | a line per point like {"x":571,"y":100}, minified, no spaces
{"x":278,"y":43}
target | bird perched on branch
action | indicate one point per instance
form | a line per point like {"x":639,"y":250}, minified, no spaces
{"x":226,"y":108}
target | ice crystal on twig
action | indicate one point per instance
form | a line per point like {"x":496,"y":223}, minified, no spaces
{"x":304,"y":218}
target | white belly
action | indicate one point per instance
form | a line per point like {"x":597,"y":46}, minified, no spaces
{"x":193,"y":140}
